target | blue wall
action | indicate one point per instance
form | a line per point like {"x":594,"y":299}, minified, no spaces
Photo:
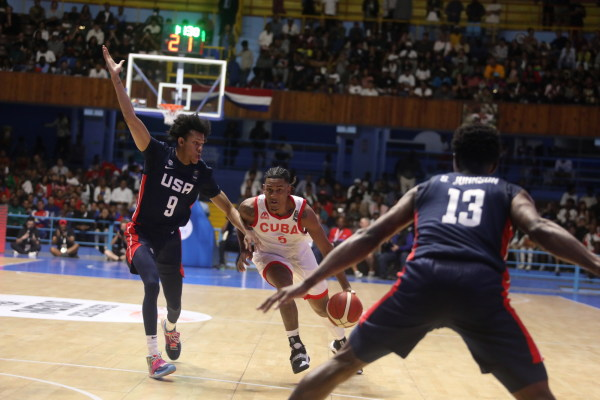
{"x":27,"y":121}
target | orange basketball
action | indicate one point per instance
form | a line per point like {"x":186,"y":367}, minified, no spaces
{"x":344,"y":309}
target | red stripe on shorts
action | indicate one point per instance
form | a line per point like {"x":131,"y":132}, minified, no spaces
{"x":132,"y":240}
{"x":269,"y":265}
{"x":536,"y":357}
{"x":316,"y":296}
{"x":389,"y":294}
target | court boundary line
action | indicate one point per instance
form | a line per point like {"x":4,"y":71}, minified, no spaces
{"x":578,"y":302}
{"x":81,"y":391}
{"x":173,"y":375}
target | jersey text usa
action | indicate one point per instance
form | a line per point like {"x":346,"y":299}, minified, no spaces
{"x":176,"y":184}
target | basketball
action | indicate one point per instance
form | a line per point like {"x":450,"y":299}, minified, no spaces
{"x":344,"y":309}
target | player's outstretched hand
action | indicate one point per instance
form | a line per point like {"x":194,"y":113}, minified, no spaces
{"x":113,"y":68}
{"x":251,"y":241}
{"x":282,"y":296}
{"x":243,"y":259}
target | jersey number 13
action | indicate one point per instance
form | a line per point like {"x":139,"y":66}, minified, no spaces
{"x":474,"y":200}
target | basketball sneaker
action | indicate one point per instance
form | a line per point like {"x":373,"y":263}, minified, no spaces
{"x":172,"y":343}
{"x":299,"y":359}
{"x":157,"y":367}
{"x":336,"y":345}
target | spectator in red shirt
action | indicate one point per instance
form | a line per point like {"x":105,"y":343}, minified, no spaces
{"x":41,"y":215}
{"x":338,"y":234}
{"x":3,"y":188}
{"x":93,"y":173}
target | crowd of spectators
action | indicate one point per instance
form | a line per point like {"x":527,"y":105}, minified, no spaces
{"x":444,"y":61}
{"x":88,"y":200}
{"x":91,"y":200}
{"x":69,"y":43}
{"x":579,"y":214}
{"x":342,"y":210}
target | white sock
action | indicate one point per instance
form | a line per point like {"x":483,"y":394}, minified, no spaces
{"x":170,"y":325}
{"x":294,"y":338}
{"x":152,"y":343}
{"x":295,"y":332}
{"x":337,"y":332}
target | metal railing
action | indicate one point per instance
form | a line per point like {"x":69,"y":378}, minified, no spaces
{"x":51,"y":224}
{"x":554,"y":270}
{"x":518,"y":259}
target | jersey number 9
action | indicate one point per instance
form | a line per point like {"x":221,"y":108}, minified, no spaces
{"x":171,"y":204}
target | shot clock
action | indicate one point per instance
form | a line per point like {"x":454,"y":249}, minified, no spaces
{"x":185,"y":40}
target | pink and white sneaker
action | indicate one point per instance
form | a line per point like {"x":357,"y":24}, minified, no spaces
{"x":157,"y":367}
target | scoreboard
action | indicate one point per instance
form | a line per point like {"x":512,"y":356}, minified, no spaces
{"x":185,"y":40}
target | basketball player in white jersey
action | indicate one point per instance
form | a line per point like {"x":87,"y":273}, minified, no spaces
{"x":285,"y":225}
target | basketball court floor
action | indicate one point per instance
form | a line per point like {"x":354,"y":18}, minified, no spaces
{"x":72,"y":329}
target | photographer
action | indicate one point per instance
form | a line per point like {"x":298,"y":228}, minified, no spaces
{"x":28,"y":240}
{"x":118,"y":245}
{"x":64,"y":240}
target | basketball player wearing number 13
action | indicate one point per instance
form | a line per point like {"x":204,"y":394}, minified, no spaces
{"x":172,"y":179}
{"x":285,"y":224}
{"x":455,"y":276}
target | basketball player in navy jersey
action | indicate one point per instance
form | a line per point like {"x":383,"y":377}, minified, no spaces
{"x":172,"y":179}
{"x":285,"y":225}
{"x":455,"y":276}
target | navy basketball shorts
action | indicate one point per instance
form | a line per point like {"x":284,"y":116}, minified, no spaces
{"x":469,"y":298}
{"x":152,"y":246}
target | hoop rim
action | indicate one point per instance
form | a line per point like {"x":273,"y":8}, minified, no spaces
{"x":171,"y":107}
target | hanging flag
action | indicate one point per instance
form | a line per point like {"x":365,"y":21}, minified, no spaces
{"x":253,"y":99}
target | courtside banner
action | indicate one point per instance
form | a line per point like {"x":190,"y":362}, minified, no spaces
{"x":253,"y":99}
{"x":197,"y":239}
{"x":3,"y":218}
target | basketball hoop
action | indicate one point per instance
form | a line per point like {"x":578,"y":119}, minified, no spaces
{"x":170,"y":112}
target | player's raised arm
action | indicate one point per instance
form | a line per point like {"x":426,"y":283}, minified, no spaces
{"x":316,"y":232}
{"x":551,"y":236}
{"x":139,"y":132}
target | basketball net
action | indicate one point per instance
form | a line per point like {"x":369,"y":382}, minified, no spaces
{"x":170,"y":112}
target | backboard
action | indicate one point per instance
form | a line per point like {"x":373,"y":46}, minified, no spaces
{"x":198,"y":84}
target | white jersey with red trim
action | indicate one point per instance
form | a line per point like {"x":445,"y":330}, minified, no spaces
{"x":282,"y":235}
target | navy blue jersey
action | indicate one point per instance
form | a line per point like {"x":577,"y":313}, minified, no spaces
{"x":169,"y":189}
{"x":463,"y":217}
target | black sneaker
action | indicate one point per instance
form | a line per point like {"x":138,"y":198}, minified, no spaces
{"x":299,"y":359}
{"x":172,"y":342}
{"x":336,"y":345}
